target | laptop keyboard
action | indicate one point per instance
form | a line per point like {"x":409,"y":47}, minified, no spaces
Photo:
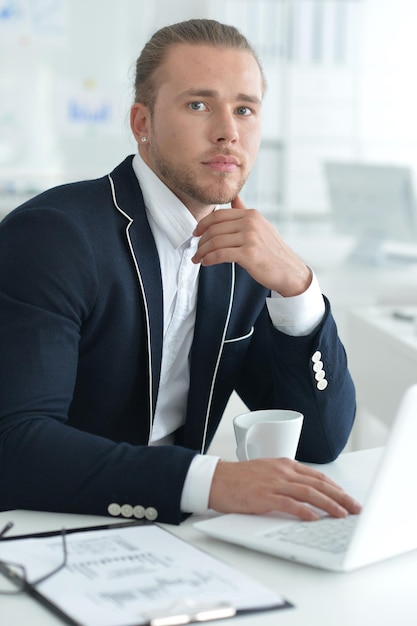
{"x":328,"y":533}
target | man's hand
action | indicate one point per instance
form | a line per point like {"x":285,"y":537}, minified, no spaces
{"x":245,"y":237}
{"x":263,"y":485}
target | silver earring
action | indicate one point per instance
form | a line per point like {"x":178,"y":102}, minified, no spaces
{"x":144,"y":139}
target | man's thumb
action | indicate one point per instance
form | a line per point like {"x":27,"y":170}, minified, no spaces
{"x":238,"y":204}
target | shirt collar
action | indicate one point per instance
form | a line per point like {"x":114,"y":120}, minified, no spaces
{"x":167,"y":211}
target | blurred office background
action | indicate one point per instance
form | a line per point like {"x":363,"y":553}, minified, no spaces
{"x":341,"y":89}
{"x":340,"y":76}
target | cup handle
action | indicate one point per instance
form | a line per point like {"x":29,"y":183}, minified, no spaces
{"x":242,"y":449}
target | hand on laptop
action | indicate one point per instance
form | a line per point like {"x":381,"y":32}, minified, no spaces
{"x":263,"y":485}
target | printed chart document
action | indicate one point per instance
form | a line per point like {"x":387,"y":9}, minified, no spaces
{"x":134,"y":575}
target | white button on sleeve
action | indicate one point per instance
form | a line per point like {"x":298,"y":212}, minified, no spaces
{"x":114,"y":509}
{"x":139,"y":511}
{"x":318,"y":365}
{"x":316,"y":356}
{"x":151,"y":514}
{"x":126,"y":510}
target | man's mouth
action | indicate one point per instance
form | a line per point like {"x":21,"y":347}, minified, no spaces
{"x":223,"y":164}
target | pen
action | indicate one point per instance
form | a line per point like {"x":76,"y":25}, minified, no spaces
{"x":402,"y":315}
{"x":182,"y":613}
{"x":8,"y":526}
{"x":70,"y":531}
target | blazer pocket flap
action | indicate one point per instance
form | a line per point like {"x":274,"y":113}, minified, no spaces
{"x":241,"y":338}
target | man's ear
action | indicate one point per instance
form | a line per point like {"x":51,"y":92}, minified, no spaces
{"x":139,"y":121}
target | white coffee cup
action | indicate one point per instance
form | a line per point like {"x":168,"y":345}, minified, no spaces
{"x":269,"y":433}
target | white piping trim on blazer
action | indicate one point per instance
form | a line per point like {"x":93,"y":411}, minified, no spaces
{"x":229,"y":312}
{"x":148,"y":326}
{"x":249,"y":334}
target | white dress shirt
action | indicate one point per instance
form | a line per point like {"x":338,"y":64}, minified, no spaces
{"x":172,"y":226}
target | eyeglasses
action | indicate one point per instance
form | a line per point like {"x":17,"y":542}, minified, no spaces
{"x":16,"y":573}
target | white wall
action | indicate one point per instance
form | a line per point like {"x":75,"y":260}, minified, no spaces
{"x":388,"y":81}
{"x":66,"y":69}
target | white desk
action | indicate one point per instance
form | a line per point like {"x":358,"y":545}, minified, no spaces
{"x":382,"y":358}
{"x":384,"y":593}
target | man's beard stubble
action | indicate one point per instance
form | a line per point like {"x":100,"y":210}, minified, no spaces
{"x":183,"y":183}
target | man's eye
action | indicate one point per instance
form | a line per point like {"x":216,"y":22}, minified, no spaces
{"x":243,"y":111}
{"x":197,"y":106}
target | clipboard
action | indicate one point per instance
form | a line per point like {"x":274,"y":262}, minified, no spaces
{"x":134,"y":574}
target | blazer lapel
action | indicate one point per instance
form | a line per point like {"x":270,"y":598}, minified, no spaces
{"x":128,"y":199}
{"x":149,"y":273}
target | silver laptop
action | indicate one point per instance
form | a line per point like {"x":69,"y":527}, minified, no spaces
{"x":386,"y":527}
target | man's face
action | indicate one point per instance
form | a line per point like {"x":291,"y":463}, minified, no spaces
{"x":205,"y":129}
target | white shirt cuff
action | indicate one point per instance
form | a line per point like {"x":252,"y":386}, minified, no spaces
{"x":196,"y":490}
{"x":297,"y":315}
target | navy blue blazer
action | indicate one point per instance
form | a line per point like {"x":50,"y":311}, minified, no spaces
{"x":81,"y":326}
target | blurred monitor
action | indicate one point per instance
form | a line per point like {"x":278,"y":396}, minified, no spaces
{"x":375,"y":204}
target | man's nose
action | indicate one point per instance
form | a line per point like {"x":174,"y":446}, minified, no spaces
{"x":225,"y":129}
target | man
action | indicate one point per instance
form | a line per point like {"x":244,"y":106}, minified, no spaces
{"x":132,"y":306}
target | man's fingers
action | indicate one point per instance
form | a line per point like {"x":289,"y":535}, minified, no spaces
{"x":217,"y":217}
{"x":308,"y":494}
{"x":288,"y":505}
{"x":238,"y":204}
{"x":308,"y":485}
